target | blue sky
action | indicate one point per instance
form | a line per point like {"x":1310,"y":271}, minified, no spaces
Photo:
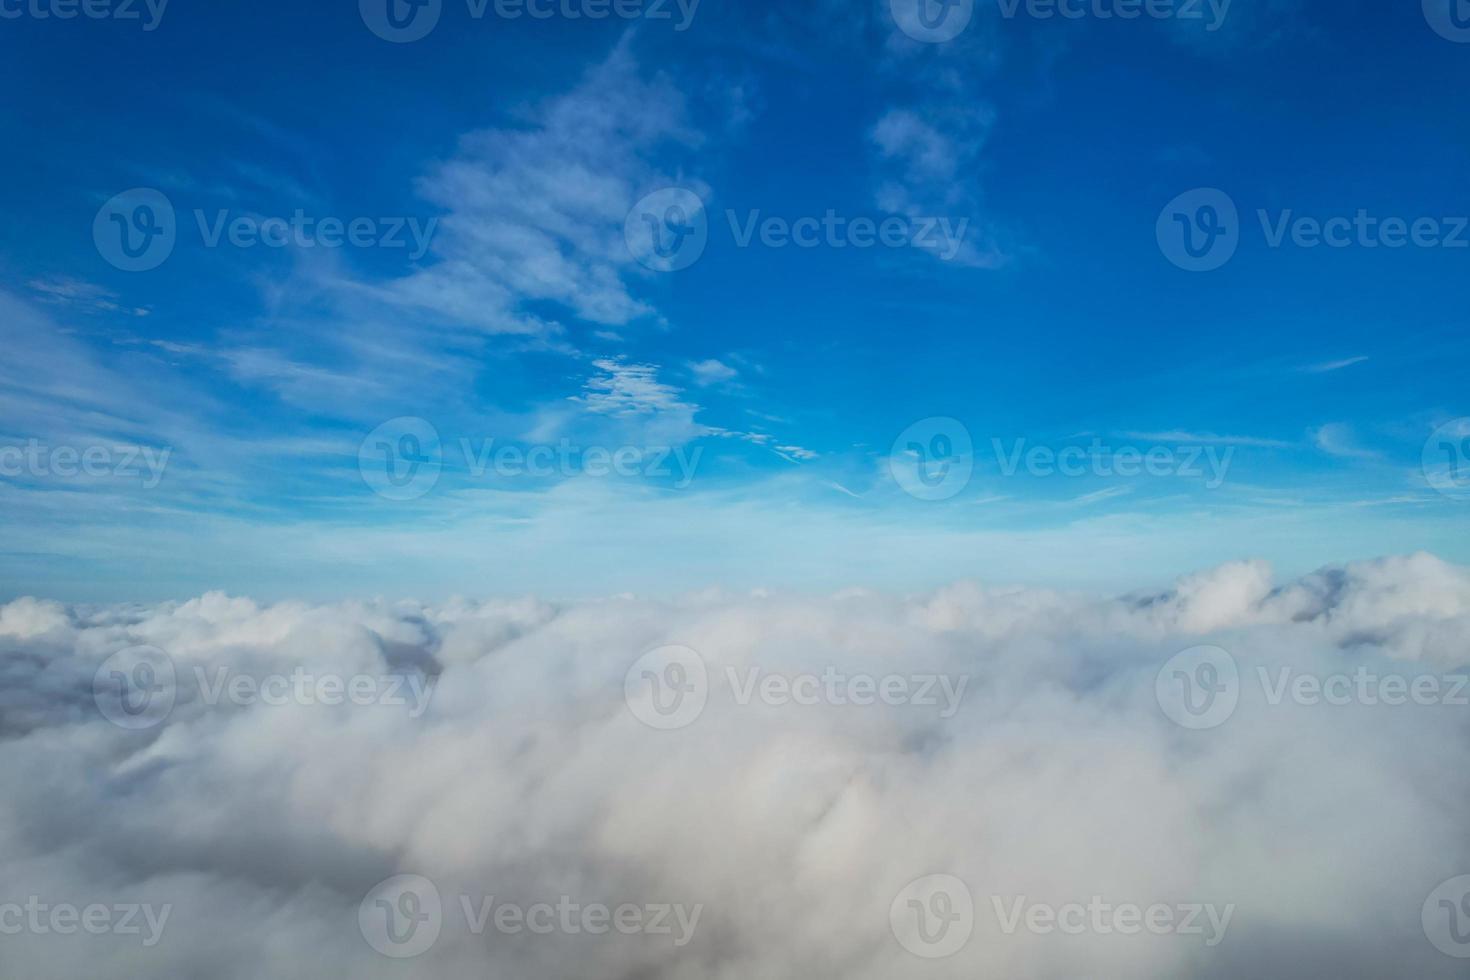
{"x":1302,"y":402}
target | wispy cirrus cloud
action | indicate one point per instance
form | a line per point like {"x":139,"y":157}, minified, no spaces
{"x":1098,"y":496}
{"x":1326,"y":367}
{"x":624,"y":390}
{"x":81,"y":295}
{"x":632,"y":394}
{"x":1208,"y":439}
{"x":927,"y":157}
{"x":928,"y":143}
{"x":534,"y":213}
{"x":1338,"y":439}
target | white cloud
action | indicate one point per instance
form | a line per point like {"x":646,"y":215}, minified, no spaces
{"x":1326,"y":367}
{"x":646,"y":409}
{"x":1337,"y":439}
{"x":712,"y":371}
{"x":794,"y":826}
{"x":79,"y":294}
{"x":535,"y":213}
{"x":795,"y":453}
{"x":925,"y":152}
{"x":1106,"y":493}
{"x":1208,"y":439}
{"x":656,"y":413}
{"x":626,"y":390}
{"x":927,"y":160}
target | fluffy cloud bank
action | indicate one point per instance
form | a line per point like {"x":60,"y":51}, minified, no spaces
{"x":828,"y":754}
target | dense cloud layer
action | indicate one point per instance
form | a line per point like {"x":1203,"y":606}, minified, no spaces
{"x":1019,"y":742}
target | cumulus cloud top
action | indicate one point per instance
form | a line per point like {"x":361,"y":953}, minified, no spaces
{"x":518,"y":768}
